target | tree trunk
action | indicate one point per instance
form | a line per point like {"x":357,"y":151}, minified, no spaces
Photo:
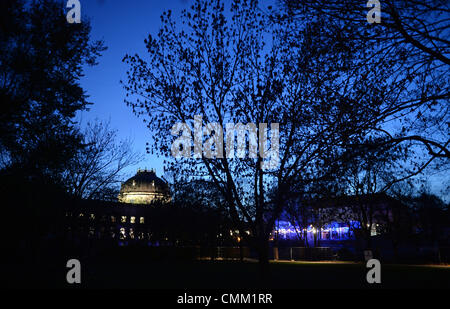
{"x":368,"y":239}
{"x":241,"y":252}
{"x":263,"y":259}
{"x":395,"y":247}
{"x":275,"y":253}
{"x":305,"y":233}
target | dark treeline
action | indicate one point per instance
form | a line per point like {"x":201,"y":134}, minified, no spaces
{"x":42,"y":61}
{"x":362,"y":109}
{"x":47,"y":157}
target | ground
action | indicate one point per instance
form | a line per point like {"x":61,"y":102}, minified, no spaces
{"x":230,"y":274}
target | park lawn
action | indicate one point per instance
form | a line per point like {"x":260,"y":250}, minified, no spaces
{"x":231,"y":274}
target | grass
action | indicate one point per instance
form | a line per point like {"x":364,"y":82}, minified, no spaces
{"x":229,"y":274}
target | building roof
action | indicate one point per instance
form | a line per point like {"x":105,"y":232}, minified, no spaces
{"x":145,"y":181}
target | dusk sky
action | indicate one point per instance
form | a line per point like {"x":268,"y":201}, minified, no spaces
{"x":123,"y":25}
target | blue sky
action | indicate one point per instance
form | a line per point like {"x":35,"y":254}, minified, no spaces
{"x":123,"y":25}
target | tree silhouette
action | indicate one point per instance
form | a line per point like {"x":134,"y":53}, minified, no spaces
{"x":411,"y":43}
{"x":238,"y":67}
{"x":41,"y":60}
{"x":96,"y":169}
{"x":41,"y":63}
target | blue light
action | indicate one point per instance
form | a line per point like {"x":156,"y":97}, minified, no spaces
{"x":332,"y":231}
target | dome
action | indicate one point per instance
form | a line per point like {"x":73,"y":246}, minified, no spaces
{"x":144,"y":188}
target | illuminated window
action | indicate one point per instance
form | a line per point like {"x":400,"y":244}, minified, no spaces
{"x":141,"y":220}
{"x":113,"y":219}
{"x":92,"y":217}
{"x":132,"y":220}
{"x":122,"y":234}
{"x":124,"y":219}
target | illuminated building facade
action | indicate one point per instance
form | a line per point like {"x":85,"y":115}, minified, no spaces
{"x":143,"y":214}
{"x":338,"y":219}
{"x":144,"y":188}
{"x":126,"y":219}
{"x":333,"y":231}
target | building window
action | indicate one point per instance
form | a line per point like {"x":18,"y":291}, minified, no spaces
{"x":122,"y":234}
{"x":92,"y":217}
{"x":132,"y":220}
{"x":141,"y":220}
{"x":124,"y":219}
{"x":113,"y":219}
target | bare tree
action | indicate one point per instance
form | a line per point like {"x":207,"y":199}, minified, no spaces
{"x":311,"y":208}
{"x":411,"y":42}
{"x":97,"y":168}
{"x":239,"y":68}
